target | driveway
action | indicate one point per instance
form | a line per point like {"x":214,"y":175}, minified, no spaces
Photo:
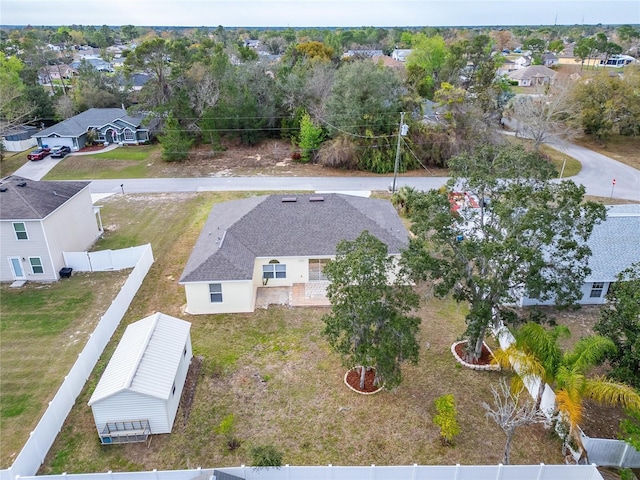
{"x":38,"y":169}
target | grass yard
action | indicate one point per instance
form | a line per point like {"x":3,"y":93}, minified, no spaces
{"x":622,"y":149}
{"x":124,"y":162}
{"x":43,"y":328}
{"x":13,"y":161}
{"x":274,"y":372}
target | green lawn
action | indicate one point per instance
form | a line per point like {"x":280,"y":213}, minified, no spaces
{"x":274,"y":371}
{"x":123,"y":162}
{"x":13,"y":161}
{"x":43,"y":327}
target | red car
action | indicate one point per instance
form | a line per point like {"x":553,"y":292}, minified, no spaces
{"x":39,"y":153}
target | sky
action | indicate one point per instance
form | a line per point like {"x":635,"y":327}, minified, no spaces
{"x":318,"y":13}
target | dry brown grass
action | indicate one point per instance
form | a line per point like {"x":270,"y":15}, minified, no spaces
{"x":623,"y":149}
{"x":274,"y":371}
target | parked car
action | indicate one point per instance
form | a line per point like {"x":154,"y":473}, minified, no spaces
{"x":60,"y":152}
{"x":39,"y":153}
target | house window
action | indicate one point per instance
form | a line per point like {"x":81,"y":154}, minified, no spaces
{"x":129,"y":135}
{"x":21,"y":231}
{"x":274,"y":269}
{"x":36,"y":265}
{"x":316,"y":269}
{"x":596,"y":289}
{"x":215,"y":292}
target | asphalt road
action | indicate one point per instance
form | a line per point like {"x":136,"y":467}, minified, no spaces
{"x":597,"y":175}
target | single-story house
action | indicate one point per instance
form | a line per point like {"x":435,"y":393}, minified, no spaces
{"x":109,"y":125}
{"x":273,"y":249}
{"x":522,"y":62}
{"x":139,"y":392}
{"x":38,"y":221}
{"x":615,"y":246}
{"x":57,"y":72}
{"x":507,"y":67}
{"x":401,"y":54}
{"x":549,"y":59}
{"x":96,"y":62}
{"x":533,"y":76}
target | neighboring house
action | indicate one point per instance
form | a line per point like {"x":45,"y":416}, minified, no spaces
{"x":57,"y":72}
{"x":615,"y":245}
{"x":389,"y":62}
{"x":111,"y":125}
{"x":139,"y":391}
{"x":364,"y":53}
{"x":252,"y":43}
{"x":522,"y":62}
{"x":549,"y":59}
{"x":18,"y":139}
{"x":38,"y":221}
{"x":273,"y":249}
{"x":617,"y":61}
{"x":533,"y":76}
{"x":507,"y":67}
{"x":96,"y":62}
{"x":134,"y":81}
{"x":401,"y":54}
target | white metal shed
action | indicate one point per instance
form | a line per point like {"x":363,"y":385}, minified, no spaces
{"x":139,"y":391}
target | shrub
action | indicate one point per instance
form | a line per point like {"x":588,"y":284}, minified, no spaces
{"x":265,"y":456}
{"x":446,"y":418}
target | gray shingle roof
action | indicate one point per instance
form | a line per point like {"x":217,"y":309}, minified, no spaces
{"x":36,"y":199}
{"x":615,"y":243}
{"x":239,"y":231}
{"x":534,"y":71}
{"x":94,"y":117}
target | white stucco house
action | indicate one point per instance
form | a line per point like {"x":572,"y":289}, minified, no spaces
{"x":615,"y":245}
{"x":140,"y":389}
{"x":533,"y":76}
{"x":273,"y":249}
{"x":38,"y":221}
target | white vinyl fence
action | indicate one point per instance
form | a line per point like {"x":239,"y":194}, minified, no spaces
{"x":40,"y":440}
{"x":413,"y":472}
{"x":601,"y":451}
{"x":103,"y":260}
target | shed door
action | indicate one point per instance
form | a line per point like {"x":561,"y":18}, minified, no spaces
{"x":16,"y":268}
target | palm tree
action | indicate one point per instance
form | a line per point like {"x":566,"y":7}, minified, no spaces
{"x":535,"y":353}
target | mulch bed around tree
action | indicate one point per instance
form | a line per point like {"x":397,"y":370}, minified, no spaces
{"x":353,"y":379}
{"x":485,"y":357}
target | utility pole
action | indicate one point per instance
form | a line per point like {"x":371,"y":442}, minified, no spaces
{"x":402,"y":131}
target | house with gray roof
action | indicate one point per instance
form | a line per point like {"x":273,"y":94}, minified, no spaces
{"x":109,"y":125}
{"x":615,"y":246}
{"x":533,"y":76}
{"x":273,"y":249}
{"x":38,"y":221}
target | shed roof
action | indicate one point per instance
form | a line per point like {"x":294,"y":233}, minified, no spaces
{"x":26,"y":199}
{"x":238,"y":232}
{"x":615,"y":243}
{"x":146,"y":359}
{"x":94,"y":117}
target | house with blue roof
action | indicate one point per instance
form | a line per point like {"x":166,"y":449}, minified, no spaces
{"x":108,"y":125}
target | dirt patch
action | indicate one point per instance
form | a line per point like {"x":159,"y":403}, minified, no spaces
{"x":189,"y":389}
{"x":271,"y":157}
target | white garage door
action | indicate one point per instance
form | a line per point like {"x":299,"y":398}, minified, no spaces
{"x":58,"y":142}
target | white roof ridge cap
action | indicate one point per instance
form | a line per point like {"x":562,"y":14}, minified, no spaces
{"x":134,"y":369}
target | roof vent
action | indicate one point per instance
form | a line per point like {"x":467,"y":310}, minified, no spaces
{"x":21,"y":184}
{"x":3,"y":189}
{"x":316,"y":199}
{"x":289,"y":199}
